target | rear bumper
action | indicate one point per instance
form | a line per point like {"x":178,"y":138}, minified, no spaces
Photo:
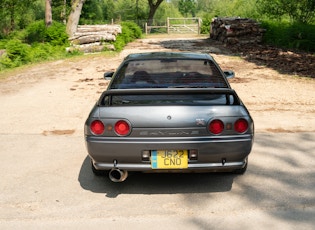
{"x":126,"y":152}
{"x":192,"y":167}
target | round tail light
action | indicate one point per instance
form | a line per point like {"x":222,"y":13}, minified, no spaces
{"x":216,"y":126}
{"x":122,"y":128}
{"x":97,"y":127}
{"x":241,"y":125}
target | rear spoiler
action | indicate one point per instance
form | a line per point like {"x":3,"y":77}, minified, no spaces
{"x":169,"y":91}
{"x":161,"y":91}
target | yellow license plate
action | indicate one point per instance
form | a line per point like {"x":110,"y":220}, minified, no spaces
{"x":169,"y":159}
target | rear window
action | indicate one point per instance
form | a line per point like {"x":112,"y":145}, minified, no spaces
{"x":168,"y":73}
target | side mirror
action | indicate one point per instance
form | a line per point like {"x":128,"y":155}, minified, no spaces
{"x":108,"y":75}
{"x":229,"y":74}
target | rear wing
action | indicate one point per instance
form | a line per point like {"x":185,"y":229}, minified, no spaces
{"x":169,"y":96}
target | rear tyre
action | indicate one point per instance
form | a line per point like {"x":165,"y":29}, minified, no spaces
{"x":241,"y":171}
{"x":97,"y":172}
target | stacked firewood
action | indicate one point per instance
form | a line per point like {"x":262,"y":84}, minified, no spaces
{"x":236,"y":31}
{"x":94,"y":38}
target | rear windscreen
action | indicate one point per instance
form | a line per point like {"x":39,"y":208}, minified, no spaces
{"x":169,"y":73}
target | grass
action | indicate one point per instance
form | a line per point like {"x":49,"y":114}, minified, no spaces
{"x":19,"y":70}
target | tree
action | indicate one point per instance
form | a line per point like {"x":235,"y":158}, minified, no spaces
{"x":92,"y":12}
{"x":12,"y":11}
{"x":302,"y":11}
{"x":187,"y":7}
{"x":63,"y":12}
{"x":153,"y":5}
{"x":48,"y":13}
{"x":74,"y":17}
{"x":108,"y":9}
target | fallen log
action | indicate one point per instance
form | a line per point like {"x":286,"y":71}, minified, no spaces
{"x":93,"y":38}
{"x":86,"y":39}
{"x":113,"y":29}
{"x":81,"y":34}
{"x":236,"y":30}
{"x":91,"y":48}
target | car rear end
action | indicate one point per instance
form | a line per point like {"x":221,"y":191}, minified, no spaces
{"x":169,"y":130}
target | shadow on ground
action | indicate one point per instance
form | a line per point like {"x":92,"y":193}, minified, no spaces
{"x":159,"y":183}
{"x":292,"y":62}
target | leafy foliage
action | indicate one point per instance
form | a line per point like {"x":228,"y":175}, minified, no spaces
{"x":302,"y":11}
{"x":295,"y":36}
{"x":16,"y":14}
{"x":205,"y":26}
{"x":91,"y":13}
{"x":35,"y":43}
{"x":130,"y":32}
{"x":17,"y":53}
{"x":35,"y":32}
{"x":38,"y":32}
{"x":187,"y":7}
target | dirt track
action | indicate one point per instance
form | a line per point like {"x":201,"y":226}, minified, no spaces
{"x":277,"y":102}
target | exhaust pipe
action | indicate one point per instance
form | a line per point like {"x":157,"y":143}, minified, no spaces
{"x":118,"y":175}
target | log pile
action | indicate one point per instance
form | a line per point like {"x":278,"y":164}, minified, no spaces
{"x":236,"y":30}
{"x":94,"y":38}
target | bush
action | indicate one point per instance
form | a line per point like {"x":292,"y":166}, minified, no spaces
{"x":38,"y":32}
{"x":49,"y":43}
{"x":46,"y":44}
{"x":205,"y":26}
{"x":287,"y":35}
{"x":130,"y":32}
{"x":56,"y":34}
{"x":35,"y":32}
{"x":17,"y":54}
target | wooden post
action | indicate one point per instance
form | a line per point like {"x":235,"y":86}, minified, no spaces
{"x":168,"y":25}
{"x":146,"y":28}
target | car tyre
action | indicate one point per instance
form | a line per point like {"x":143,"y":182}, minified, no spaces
{"x":97,"y":172}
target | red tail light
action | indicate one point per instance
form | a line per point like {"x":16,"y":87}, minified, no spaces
{"x":241,"y":125}
{"x":97,"y":127}
{"x":216,"y":126}
{"x":122,"y":128}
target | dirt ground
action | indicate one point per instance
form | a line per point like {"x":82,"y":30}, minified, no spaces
{"x":278,"y":100}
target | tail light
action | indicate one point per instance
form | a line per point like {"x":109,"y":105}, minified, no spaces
{"x":97,"y":127}
{"x":241,"y":125}
{"x":216,"y":126}
{"x":122,"y":128}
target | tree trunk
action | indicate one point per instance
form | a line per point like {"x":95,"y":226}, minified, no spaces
{"x":48,"y":13}
{"x":74,"y":16}
{"x":64,"y":12}
{"x":11,"y":6}
{"x":153,"y":8}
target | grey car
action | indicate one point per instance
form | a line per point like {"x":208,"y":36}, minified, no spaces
{"x":168,"y":112}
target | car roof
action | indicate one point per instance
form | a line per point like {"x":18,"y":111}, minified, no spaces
{"x":168,"y":55}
